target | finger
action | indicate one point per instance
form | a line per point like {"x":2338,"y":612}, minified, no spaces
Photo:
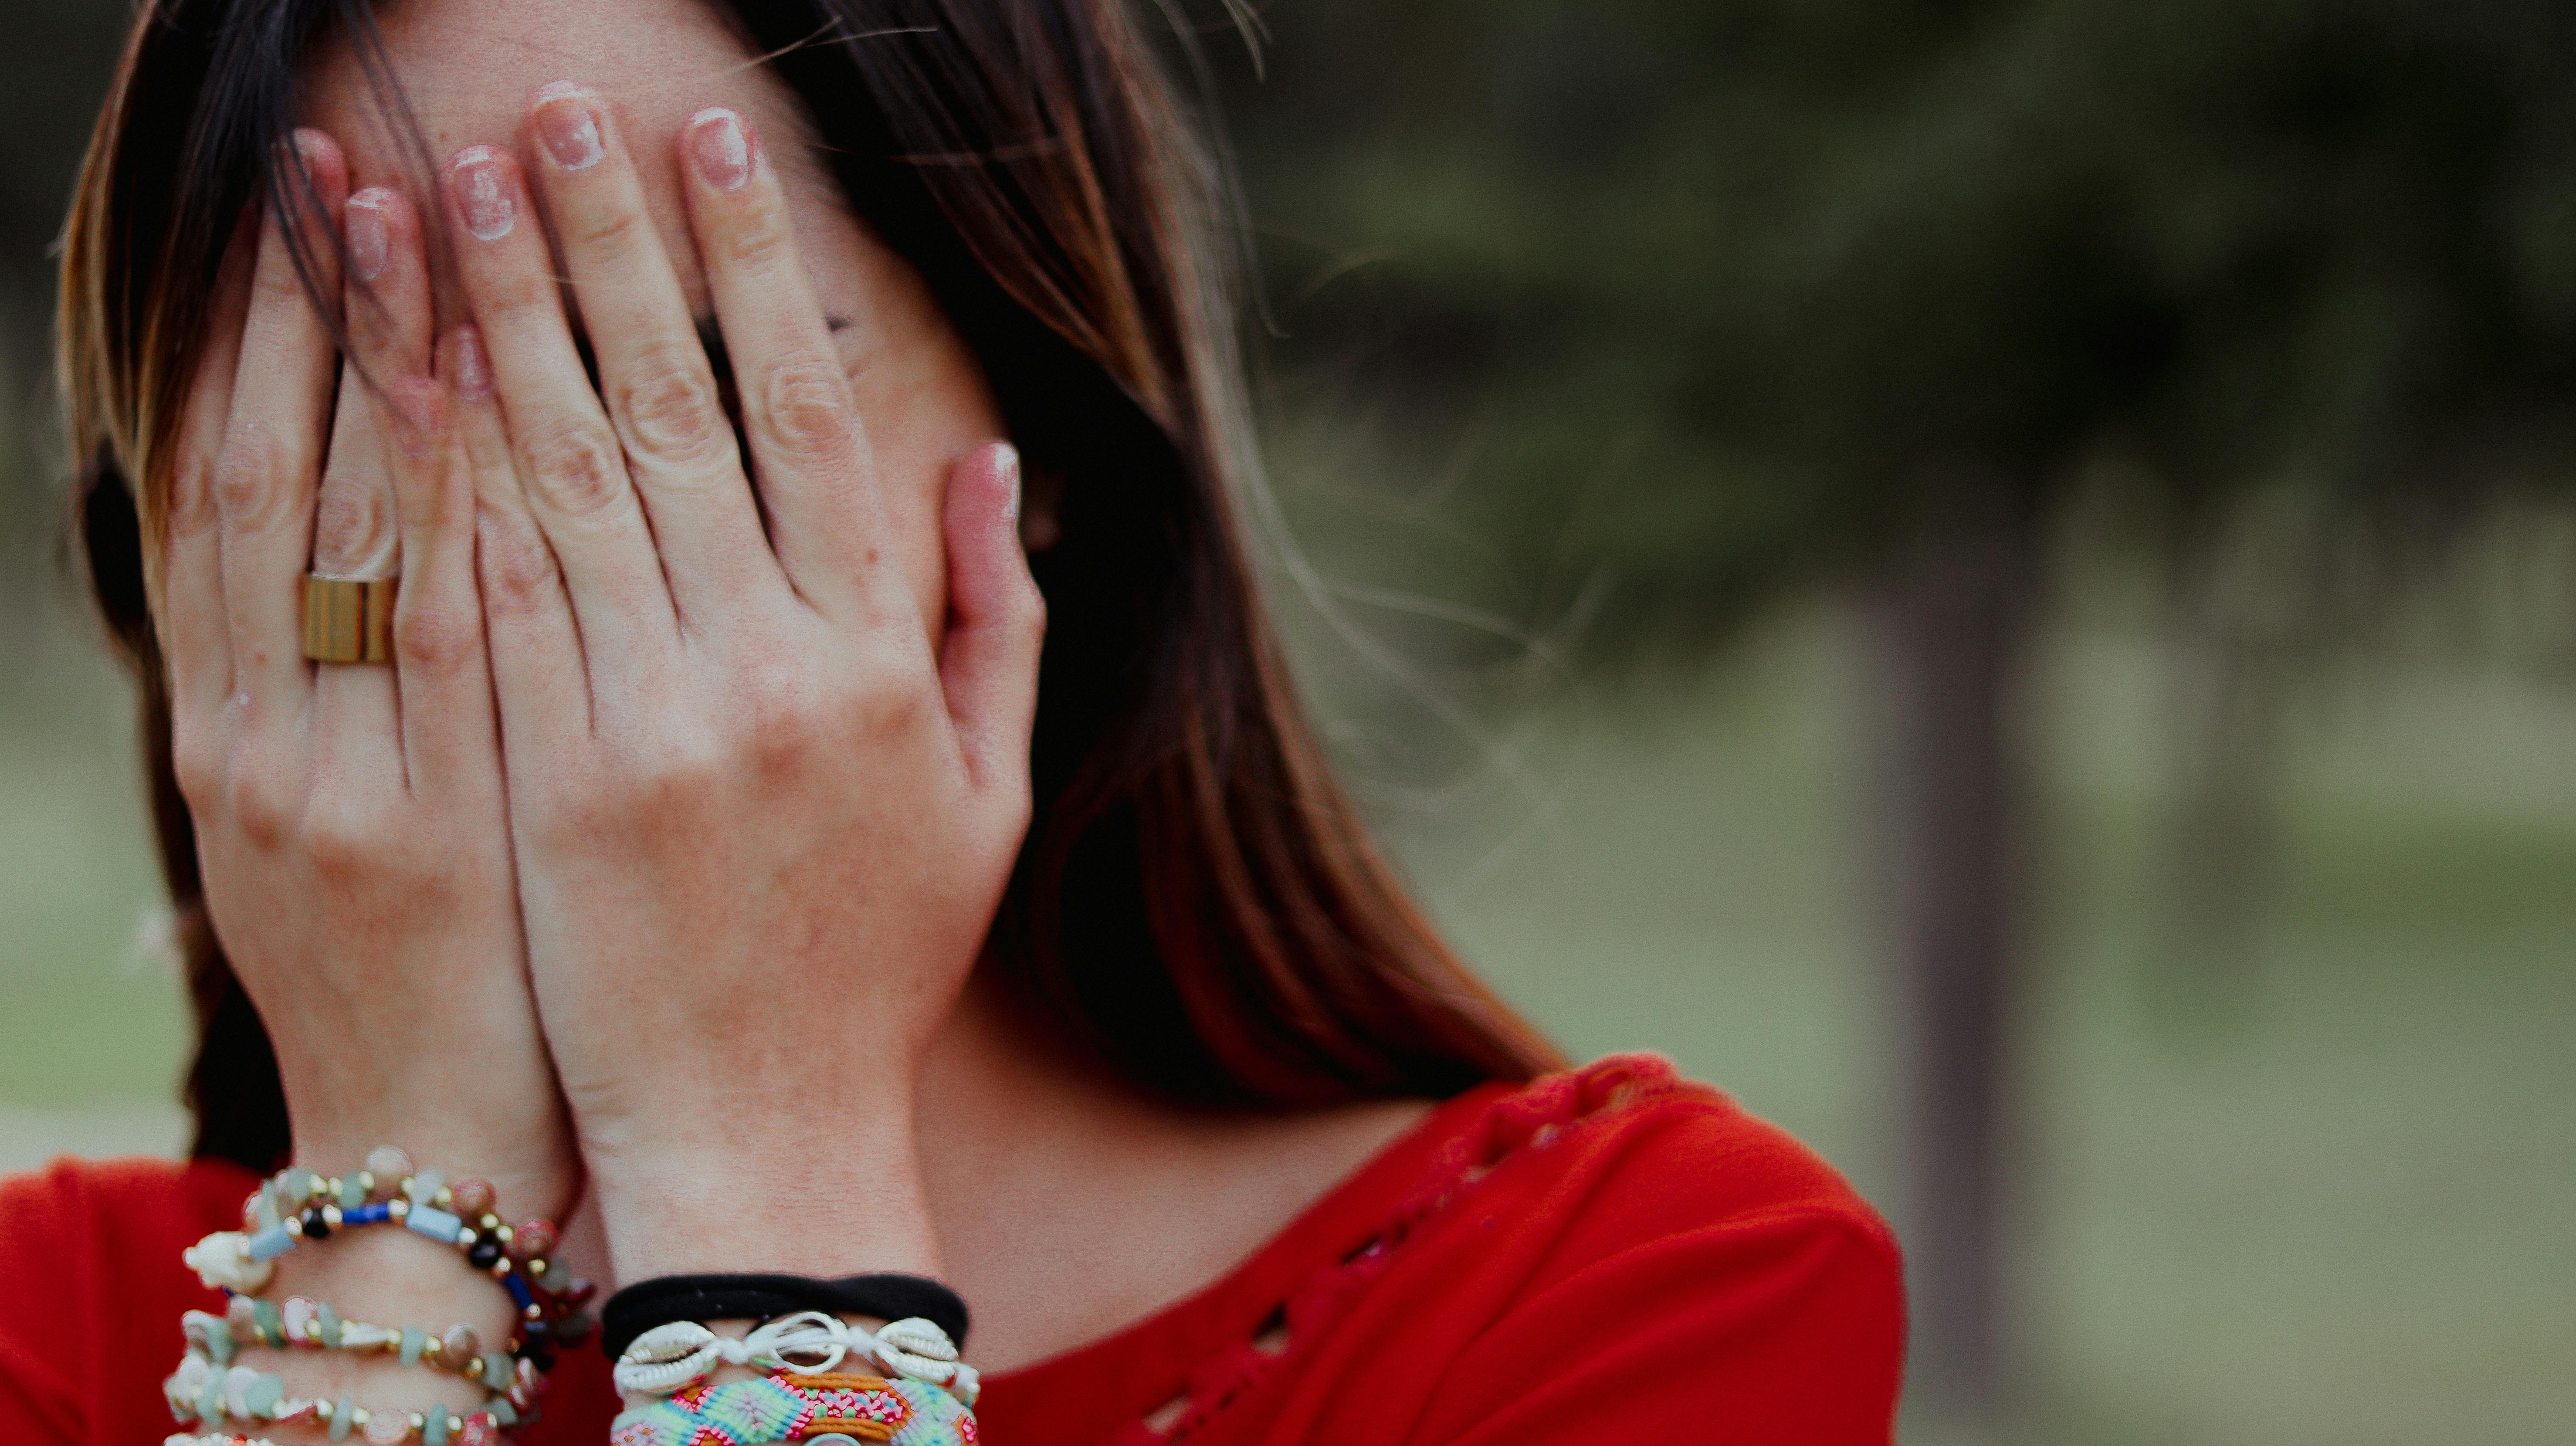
{"x":567,"y":455}
{"x":264,"y":484}
{"x":450,"y":744}
{"x":388,"y":309}
{"x":653,"y":371}
{"x":988,"y":666}
{"x":809,"y":450}
{"x":356,"y":533}
{"x":536,"y":658}
{"x":196,"y":647}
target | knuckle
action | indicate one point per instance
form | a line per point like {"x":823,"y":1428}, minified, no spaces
{"x":518,"y":569}
{"x":245,"y":479}
{"x":197,"y":759}
{"x":805,"y":410}
{"x":192,"y":493}
{"x":437,"y":639}
{"x":341,"y":839}
{"x":352,"y":525}
{"x":256,"y":800}
{"x":609,"y":230}
{"x":669,"y":403}
{"x":757,"y":244}
{"x":576,"y":468}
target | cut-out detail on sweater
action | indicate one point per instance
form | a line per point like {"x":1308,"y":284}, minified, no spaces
{"x":1524,"y":1122}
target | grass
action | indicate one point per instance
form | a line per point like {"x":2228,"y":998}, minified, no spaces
{"x":2322,"y":1199}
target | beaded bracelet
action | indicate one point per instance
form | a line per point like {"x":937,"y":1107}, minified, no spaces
{"x":680,"y":1354}
{"x":318,"y":1327}
{"x":298,"y":1205}
{"x":788,"y":1407}
{"x":209,"y":1395}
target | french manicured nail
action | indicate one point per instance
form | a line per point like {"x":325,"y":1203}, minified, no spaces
{"x":722,"y":148}
{"x":1007,"y":462}
{"x":483,"y":193}
{"x":473,"y":366}
{"x":569,"y":126}
{"x":370,"y":244}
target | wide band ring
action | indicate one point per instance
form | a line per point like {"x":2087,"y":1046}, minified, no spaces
{"x":348,"y":619}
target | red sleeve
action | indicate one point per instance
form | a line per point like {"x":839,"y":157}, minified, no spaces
{"x":91,"y":1290}
{"x":1786,"y":1327}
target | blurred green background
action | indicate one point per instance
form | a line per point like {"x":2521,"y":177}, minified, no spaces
{"x":1996,"y":578}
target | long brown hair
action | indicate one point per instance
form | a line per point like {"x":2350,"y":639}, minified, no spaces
{"x":1196,"y":901}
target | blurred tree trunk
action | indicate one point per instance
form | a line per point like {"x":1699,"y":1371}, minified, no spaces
{"x":1951,"y":618}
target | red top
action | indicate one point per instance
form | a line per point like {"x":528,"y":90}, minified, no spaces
{"x":1608,"y":1255}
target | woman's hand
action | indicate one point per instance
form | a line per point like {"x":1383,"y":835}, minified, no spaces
{"x":350,"y":818}
{"x":763,"y":815}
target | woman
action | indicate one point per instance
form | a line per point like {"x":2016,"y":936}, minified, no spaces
{"x":707,"y":852}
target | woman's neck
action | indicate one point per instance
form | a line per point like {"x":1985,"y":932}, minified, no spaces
{"x":1069,"y":1203}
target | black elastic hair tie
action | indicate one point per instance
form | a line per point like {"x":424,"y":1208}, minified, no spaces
{"x":649,"y":1303}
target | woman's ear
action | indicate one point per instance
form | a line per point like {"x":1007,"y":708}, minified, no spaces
{"x":1041,"y":503}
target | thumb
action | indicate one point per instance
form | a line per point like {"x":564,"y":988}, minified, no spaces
{"x":996,"y":619}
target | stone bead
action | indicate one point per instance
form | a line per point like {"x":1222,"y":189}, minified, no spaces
{"x":260,"y":1397}
{"x":326,"y":1326}
{"x":496,"y":1371}
{"x":462,"y":1345}
{"x":435,"y":1425}
{"x":387,"y":1428}
{"x":413,"y":1342}
{"x":480,"y":1429}
{"x":242,"y":1312}
{"x":388,"y":1163}
{"x":534,"y":1240}
{"x":425,"y":1185}
{"x":265,"y":1320}
{"x":483,"y":1254}
{"x":300,"y":1184}
{"x":353,"y":1192}
{"x":344,"y":1412}
{"x":471,"y":1197}
{"x":437,"y":1224}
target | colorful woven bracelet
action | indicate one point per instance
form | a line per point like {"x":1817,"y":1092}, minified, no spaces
{"x":249,"y":1322}
{"x":212,"y":1395}
{"x":786,"y":1407}
{"x":298,"y":1205}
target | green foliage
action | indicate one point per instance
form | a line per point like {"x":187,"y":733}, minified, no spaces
{"x":1732,"y":293}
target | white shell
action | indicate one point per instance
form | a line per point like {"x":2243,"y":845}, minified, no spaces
{"x":222,"y":1260}
{"x":237,"y":1381}
{"x":919,"y":1349}
{"x":667,"y":1358}
{"x":181,"y":1389}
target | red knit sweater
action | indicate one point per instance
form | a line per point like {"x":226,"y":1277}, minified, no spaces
{"x":1609,"y":1255}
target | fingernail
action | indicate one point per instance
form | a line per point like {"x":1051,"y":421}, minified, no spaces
{"x":483,"y":193}
{"x":722,"y":146}
{"x":568,"y":126}
{"x":370,"y":244}
{"x":310,"y":147}
{"x":473,"y":366}
{"x":1008,"y":464}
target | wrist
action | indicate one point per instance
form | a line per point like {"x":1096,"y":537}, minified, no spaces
{"x":841,"y":1196}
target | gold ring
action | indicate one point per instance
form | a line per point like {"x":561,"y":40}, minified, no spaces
{"x":348,"y":619}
